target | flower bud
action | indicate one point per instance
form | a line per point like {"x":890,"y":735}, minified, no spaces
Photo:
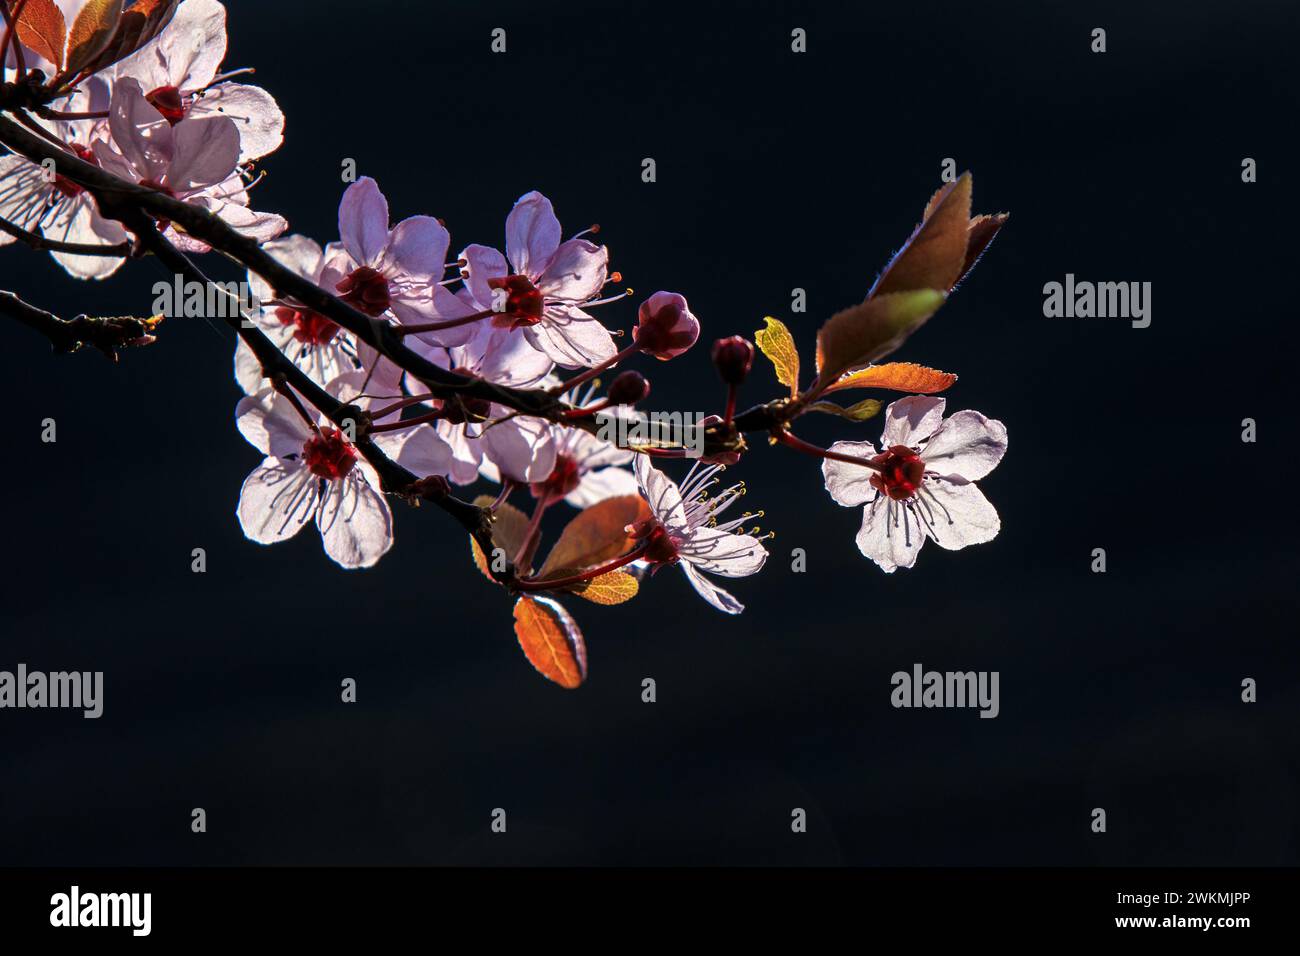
{"x":628,"y":388}
{"x":665,"y":327}
{"x":734,"y":357}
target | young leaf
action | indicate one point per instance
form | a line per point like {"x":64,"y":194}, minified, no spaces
{"x":612,"y":587}
{"x":867,"y":408}
{"x":933,"y":257}
{"x":983,"y":230}
{"x":597,"y":534}
{"x":551,"y":641}
{"x":870,"y":331}
{"x":508,"y":529}
{"x":898,"y":377}
{"x":776,"y":342}
{"x":91,"y":32}
{"x":41,"y":26}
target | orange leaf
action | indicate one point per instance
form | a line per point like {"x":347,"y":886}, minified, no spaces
{"x":612,"y":587}
{"x":41,"y":27}
{"x":933,"y":257}
{"x":508,"y":529}
{"x":597,"y":534}
{"x":776,"y":342}
{"x":870,"y":331}
{"x":91,"y":33}
{"x":551,"y":641}
{"x":898,"y":376}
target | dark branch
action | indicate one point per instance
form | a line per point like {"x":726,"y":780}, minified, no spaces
{"x":106,"y":333}
{"x":37,"y":241}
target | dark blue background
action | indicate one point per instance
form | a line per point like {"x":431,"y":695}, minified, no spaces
{"x":775,"y":171}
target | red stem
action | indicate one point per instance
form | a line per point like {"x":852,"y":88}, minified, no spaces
{"x":407,"y":422}
{"x":592,"y":372}
{"x":731,"y":405}
{"x":439,"y":326}
{"x":550,"y":584}
{"x":785,"y":438}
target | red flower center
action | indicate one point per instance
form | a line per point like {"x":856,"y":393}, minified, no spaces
{"x":310,"y":328}
{"x":901,"y":471}
{"x":563,"y":479}
{"x":660,"y":546}
{"x":328,"y":454}
{"x":523,"y":301}
{"x":67,"y":186}
{"x":366,"y":289}
{"x":168,"y":101}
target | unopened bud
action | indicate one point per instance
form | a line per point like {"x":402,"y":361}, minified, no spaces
{"x":734,"y":357}
{"x":665,"y":327}
{"x":628,"y":388}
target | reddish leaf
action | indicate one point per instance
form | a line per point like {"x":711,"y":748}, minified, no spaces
{"x":983,"y":230}
{"x":551,"y":641}
{"x":42,"y":28}
{"x":597,"y":534}
{"x":508,"y":529}
{"x":934,"y":255}
{"x":870,"y":331}
{"x":91,"y":33}
{"x":897,"y":376}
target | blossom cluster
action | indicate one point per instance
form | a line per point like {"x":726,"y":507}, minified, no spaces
{"x":159,"y":113}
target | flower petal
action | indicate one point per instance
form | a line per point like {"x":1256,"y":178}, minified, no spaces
{"x":571,"y":338}
{"x":532,"y":234}
{"x":206,"y":152}
{"x":278,"y":497}
{"x":706,"y":589}
{"x":662,"y":494}
{"x":849,"y":484}
{"x":723,"y":552}
{"x":890,"y":535}
{"x":416,"y":251}
{"x":253,"y":110}
{"x":576,"y":273}
{"x":523,"y":449}
{"x":601,"y":484}
{"x":483,"y":263}
{"x":363,"y":221}
{"x":271,"y":424}
{"x":967,"y":445}
{"x":355,"y":524}
{"x":910,"y":421}
{"x":960,"y":514}
{"x":139,"y":131}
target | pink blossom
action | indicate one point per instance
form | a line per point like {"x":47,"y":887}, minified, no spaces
{"x":177,"y":71}
{"x":195,"y":160}
{"x":540,"y":286}
{"x":394,"y":271}
{"x":310,"y":475}
{"x":58,"y":208}
{"x":923,"y":483}
{"x":685,"y":530}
